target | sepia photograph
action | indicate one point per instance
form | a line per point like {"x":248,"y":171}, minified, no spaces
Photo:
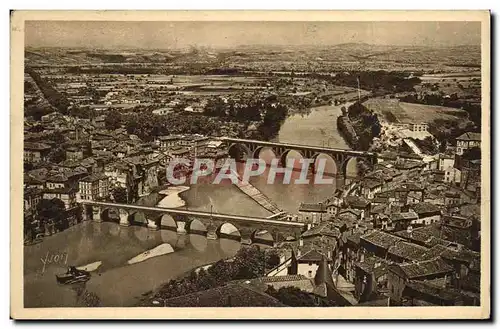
{"x":207,"y":165}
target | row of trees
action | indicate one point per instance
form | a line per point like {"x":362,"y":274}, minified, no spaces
{"x":365,"y":123}
{"x":248,"y":263}
{"x":220,"y":117}
{"x":269,"y":111}
{"x":55,"y":98}
{"x":49,"y":211}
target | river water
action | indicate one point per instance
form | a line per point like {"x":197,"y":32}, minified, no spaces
{"x":116,"y":283}
{"x":317,"y":128}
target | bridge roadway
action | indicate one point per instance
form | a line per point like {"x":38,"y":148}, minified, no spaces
{"x":318,"y":149}
{"x":246,"y":225}
{"x":200,"y":214}
{"x":154,"y":217}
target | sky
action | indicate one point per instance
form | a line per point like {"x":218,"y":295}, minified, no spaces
{"x":167,"y":35}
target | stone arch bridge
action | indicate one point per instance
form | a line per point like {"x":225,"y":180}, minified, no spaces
{"x":182,"y":220}
{"x":247,"y":148}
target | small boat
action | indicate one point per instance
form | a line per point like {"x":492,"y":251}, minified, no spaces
{"x":73,"y":275}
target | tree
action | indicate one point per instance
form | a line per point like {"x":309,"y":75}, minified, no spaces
{"x":221,"y":271}
{"x":113,"y":120}
{"x":292,"y":296}
{"x":119,"y":194}
{"x":272,"y":259}
{"x":57,"y":155}
{"x":51,"y":209}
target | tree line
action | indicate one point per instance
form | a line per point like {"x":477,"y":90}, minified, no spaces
{"x":249,"y":263}
{"x":55,"y":98}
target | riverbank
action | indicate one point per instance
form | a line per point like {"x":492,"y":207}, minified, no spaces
{"x":359,"y":126}
{"x":172,"y":197}
{"x":162,"y":249}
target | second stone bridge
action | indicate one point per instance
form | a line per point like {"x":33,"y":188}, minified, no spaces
{"x":182,"y":221}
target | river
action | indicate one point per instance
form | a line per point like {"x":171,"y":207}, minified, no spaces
{"x":317,"y":128}
{"x":116,"y":283}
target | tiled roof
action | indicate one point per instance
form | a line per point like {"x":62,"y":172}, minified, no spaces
{"x":410,"y":215}
{"x":36,"y":146}
{"x":371,"y":183}
{"x":312,"y":207}
{"x":230,"y":295}
{"x":94,"y":177}
{"x":470,"y":136}
{"x":311,"y":256}
{"x":472,"y":258}
{"x":434,"y":252}
{"x":325,"y":228}
{"x":373,"y":264}
{"x":64,"y":190}
{"x":425,"y":208}
{"x":423,"y":238}
{"x":381,"y":239}
{"x":378,"y":209}
{"x":354,"y":238}
{"x":425,"y":268}
{"x":408,"y":250}
{"x":430,"y":290}
{"x":57,"y":178}
{"x":356,"y":201}
{"x":298,"y":281}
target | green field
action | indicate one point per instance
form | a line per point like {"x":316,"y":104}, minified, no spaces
{"x":392,"y":110}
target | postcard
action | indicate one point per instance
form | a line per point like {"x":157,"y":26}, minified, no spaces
{"x":250,"y":165}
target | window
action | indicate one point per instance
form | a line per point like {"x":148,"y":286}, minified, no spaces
{"x":310,"y":264}
{"x":310,"y":273}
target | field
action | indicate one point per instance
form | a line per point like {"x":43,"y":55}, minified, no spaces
{"x":391,"y":110}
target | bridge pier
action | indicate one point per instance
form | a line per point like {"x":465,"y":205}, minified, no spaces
{"x":154,"y":216}
{"x":85,"y":212}
{"x":246,"y":241}
{"x":340,"y":182}
{"x":96,"y":214}
{"x":123,"y":217}
{"x":181,"y":227}
{"x":152,"y":225}
{"x":246,"y":235}
{"x":212,"y":232}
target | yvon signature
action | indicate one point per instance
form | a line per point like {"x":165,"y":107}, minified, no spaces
{"x":54,"y":258}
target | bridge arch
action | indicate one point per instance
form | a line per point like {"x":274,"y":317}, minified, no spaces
{"x":138,"y":218}
{"x":349,"y":167}
{"x":290,"y":152}
{"x":195,"y":226}
{"x":229,"y":231}
{"x":110,"y":214}
{"x":87,"y":212}
{"x":332,"y":165}
{"x":168,"y":222}
{"x":262,"y":237}
{"x":259,"y":151}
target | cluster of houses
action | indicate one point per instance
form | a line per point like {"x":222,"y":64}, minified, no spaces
{"x":95,"y":162}
{"x":401,"y":237}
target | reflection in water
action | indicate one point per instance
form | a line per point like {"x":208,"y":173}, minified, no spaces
{"x":229,"y":229}
{"x":200,"y":242}
{"x":115,"y":283}
{"x":114,"y":230}
{"x":318,"y":128}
